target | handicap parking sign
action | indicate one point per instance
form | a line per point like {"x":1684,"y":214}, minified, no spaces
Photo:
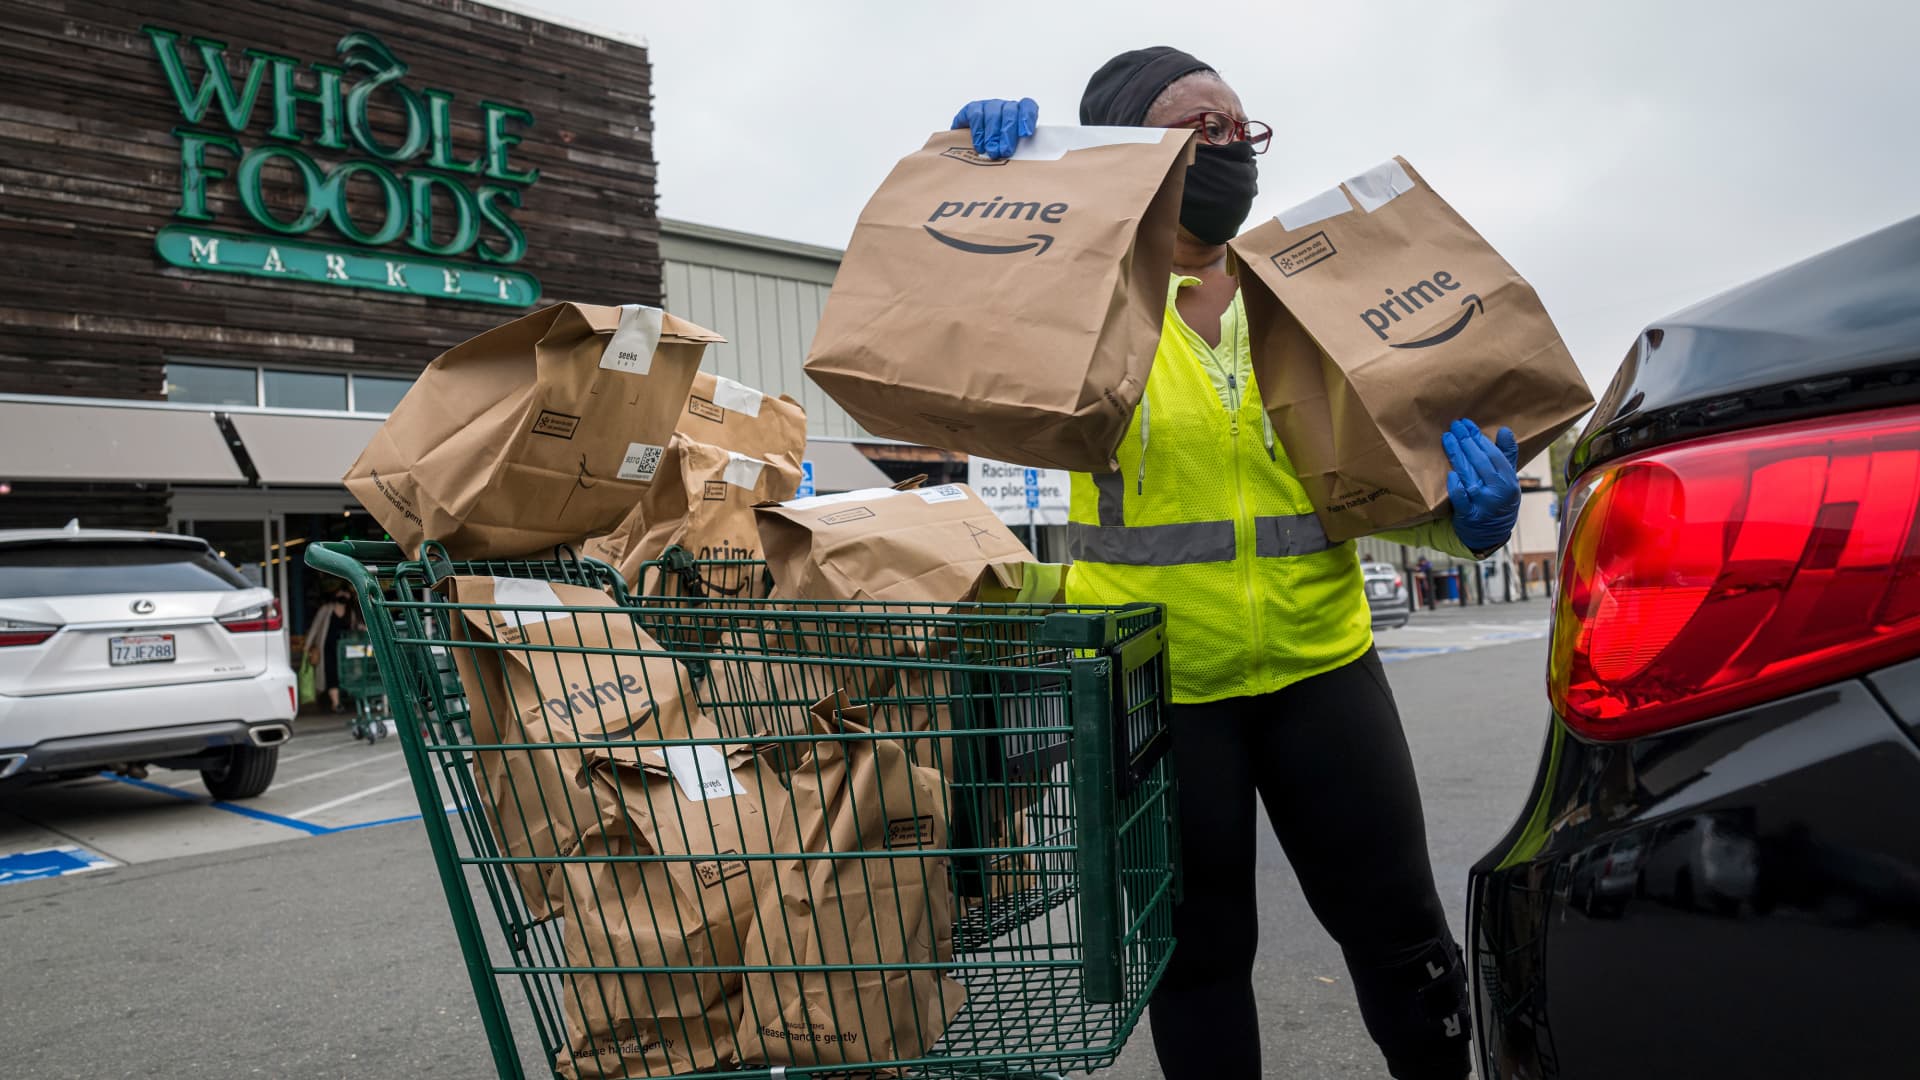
{"x":806,"y":481}
{"x":1033,"y":489}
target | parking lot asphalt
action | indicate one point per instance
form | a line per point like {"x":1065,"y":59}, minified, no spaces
{"x":326,"y":782}
{"x":220,"y":943}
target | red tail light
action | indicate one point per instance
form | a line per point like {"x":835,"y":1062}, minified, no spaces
{"x":1722,"y":573}
{"x":15,"y":632}
{"x":253,"y":620}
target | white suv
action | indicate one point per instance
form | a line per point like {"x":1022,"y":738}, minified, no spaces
{"x":120,"y":650}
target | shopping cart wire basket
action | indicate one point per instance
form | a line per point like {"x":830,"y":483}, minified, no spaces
{"x":813,"y":838}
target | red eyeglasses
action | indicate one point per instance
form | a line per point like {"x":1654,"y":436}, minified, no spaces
{"x":1219,"y":129}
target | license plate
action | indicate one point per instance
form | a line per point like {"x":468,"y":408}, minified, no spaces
{"x":1379,"y":588}
{"x":140,"y":649}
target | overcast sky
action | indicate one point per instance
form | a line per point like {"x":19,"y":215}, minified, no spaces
{"x":1627,"y":158}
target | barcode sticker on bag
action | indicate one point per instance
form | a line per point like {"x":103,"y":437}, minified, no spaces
{"x":945,"y":493}
{"x":631,"y":347}
{"x":641,"y":462}
{"x":702,"y":773}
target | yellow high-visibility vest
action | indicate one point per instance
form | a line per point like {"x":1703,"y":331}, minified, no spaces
{"x":1207,"y":517}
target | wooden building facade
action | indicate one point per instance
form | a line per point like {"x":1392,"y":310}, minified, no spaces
{"x":232,"y":233}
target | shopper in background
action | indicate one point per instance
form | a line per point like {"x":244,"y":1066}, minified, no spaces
{"x":1277,"y":688}
{"x":335,"y":618}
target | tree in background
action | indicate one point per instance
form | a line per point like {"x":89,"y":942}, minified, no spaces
{"x":1557,"y":457}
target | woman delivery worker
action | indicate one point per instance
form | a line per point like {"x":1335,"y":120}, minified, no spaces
{"x":1277,"y":688}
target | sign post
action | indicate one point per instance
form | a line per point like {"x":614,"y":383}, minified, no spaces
{"x":1033,"y":504}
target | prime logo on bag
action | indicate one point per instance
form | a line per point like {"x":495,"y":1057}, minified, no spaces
{"x":1447,"y":328}
{"x":1414,"y":298}
{"x":999,"y":208}
{"x":1087,"y":294}
{"x":609,"y":696}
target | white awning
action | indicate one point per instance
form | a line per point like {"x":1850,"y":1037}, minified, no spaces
{"x":57,"y":440}
{"x":839,"y":466}
{"x":303,"y":449}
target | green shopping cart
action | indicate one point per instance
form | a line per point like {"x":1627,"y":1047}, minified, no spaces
{"x":719,"y":835}
{"x":360,"y":679}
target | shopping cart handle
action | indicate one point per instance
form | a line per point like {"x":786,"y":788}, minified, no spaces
{"x":349,"y":560}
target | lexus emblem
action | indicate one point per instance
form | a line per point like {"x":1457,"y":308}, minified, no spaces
{"x":143,"y":607}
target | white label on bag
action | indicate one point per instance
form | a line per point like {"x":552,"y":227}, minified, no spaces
{"x":1379,"y":185}
{"x":1329,"y":203}
{"x":528,"y":593}
{"x":738,"y":397}
{"x":641,"y":462}
{"x":1051,"y":142}
{"x":743,"y":471}
{"x":702,"y":773}
{"x":945,"y":493}
{"x":631,"y":347}
{"x":863,"y":495}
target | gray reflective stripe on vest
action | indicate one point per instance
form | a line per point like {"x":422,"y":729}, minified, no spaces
{"x":1152,"y":545}
{"x":1287,"y":536}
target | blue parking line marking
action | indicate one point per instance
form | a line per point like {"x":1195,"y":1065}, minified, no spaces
{"x":262,"y":815}
{"x":372,"y":824}
{"x":49,"y":863}
{"x":306,"y":827}
{"x":217,"y":804}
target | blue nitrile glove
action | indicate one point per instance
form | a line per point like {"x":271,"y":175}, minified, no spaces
{"x":997,"y":124}
{"x":1483,"y":485}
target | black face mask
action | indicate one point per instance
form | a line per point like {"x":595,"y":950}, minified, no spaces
{"x":1221,"y":184}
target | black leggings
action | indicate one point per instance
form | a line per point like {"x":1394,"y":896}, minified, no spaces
{"x":1328,"y":758}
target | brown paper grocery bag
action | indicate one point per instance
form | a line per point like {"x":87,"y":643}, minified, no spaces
{"x":1008,"y":308}
{"x":937,"y":548}
{"x":929,"y":545}
{"x":532,"y":800}
{"x":539,"y":432}
{"x":855,"y":913}
{"x":734,"y":416}
{"x":702,"y":499}
{"x":1378,"y":317}
{"x":682,"y":803}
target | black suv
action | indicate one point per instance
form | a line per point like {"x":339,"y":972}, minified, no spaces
{"x":1718,"y":871}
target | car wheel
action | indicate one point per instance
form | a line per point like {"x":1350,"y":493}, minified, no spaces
{"x":246,"y":772}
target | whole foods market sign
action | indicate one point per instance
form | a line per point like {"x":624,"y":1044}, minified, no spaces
{"x":290,"y":140}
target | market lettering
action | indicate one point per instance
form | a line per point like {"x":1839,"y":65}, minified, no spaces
{"x":411,"y":183}
{"x":298,"y":260}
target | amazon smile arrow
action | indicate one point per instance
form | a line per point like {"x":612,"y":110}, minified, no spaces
{"x":1038,"y":240}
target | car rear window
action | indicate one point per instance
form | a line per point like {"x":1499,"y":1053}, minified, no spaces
{"x":70,"y":568}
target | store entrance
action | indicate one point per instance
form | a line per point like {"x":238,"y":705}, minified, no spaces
{"x":264,"y":535}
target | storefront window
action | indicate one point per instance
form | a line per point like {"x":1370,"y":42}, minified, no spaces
{"x":377,"y":395}
{"x":304,"y":390}
{"x":204,"y":384}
